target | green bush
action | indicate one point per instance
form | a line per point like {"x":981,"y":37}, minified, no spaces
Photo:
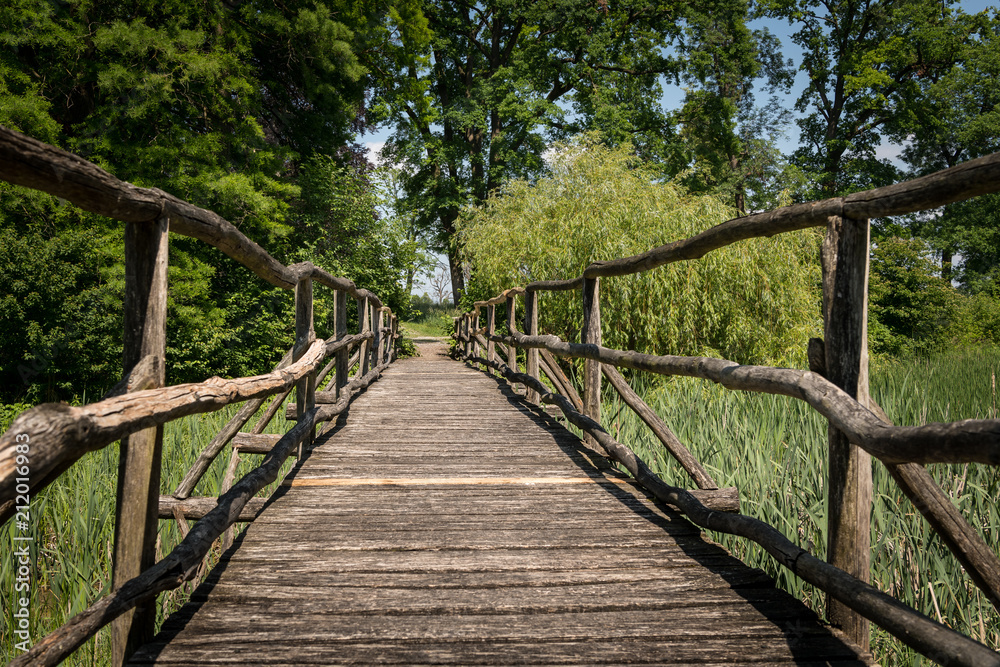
{"x":753,"y":302}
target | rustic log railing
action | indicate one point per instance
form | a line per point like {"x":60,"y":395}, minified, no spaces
{"x":836,"y":386}
{"x":135,"y":411}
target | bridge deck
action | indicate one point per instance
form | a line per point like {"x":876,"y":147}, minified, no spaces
{"x":446,"y":522}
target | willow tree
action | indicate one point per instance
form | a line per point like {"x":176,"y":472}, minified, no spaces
{"x":753,"y":302}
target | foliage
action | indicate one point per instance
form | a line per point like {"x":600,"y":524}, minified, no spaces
{"x":226,"y":105}
{"x":757,"y":301}
{"x":729,"y":143}
{"x":474,"y":92}
{"x":862,"y":60}
{"x":342,"y":233}
{"x":911,"y":309}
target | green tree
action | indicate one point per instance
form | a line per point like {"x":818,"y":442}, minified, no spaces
{"x":220,"y":104}
{"x":911,"y":309}
{"x":952,"y":116}
{"x":499,"y":79}
{"x":863,"y":60}
{"x":757,"y":301}
{"x":728,"y":140}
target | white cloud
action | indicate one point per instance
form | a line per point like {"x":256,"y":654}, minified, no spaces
{"x":374,"y":148}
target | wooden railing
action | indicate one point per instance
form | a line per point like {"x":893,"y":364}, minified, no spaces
{"x":45,"y":441}
{"x":836,"y":386}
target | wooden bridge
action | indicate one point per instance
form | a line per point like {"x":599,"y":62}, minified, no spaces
{"x":443,"y":516}
{"x":448,"y":521}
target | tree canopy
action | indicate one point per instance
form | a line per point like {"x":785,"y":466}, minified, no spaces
{"x":247,"y":108}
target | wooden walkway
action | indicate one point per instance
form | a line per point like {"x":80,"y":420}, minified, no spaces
{"x":447,"y":522}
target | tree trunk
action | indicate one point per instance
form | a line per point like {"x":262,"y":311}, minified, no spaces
{"x":457,"y":277}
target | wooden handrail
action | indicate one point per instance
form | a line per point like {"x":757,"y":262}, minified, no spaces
{"x":35,"y":164}
{"x":970,"y":179}
{"x":59,"y":432}
{"x":968,"y":441}
{"x":913,"y":628}
{"x":181,"y":564}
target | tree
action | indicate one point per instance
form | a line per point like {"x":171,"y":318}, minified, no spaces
{"x":862,"y":59}
{"x":756,"y":302}
{"x":729,"y":141}
{"x":912,"y":309}
{"x":952,"y":116}
{"x":499,"y":79}
{"x":440,"y":282}
{"x":220,"y":104}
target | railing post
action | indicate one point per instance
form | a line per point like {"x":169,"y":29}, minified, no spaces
{"x":136,"y":522}
{"x":340,"y":331}
{"x":849,"y":487}
{"x":392,"y":340}
{"x":364,"y":326}
{"x":511,"y":349}
{"x":305,"y":389}
{"x":467,"y":325}
{"x":491,"y":320}
{"x":591,"y":335}
{"x":378,"y":321}
{"x":531,"y":329}
{"x":472,"y":334}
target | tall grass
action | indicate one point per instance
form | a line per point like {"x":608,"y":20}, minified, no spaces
{"x":773,"y":449}
{"x":73,"y":533}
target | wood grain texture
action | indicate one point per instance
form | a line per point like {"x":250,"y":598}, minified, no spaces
{"x":404,"y":538}
{"x":145,"y":315}
{"x":849,"y":481}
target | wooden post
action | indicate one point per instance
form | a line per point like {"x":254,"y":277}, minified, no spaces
{"x":378,"y":321}
{"x":343,"y":367}
{"x":392,"y":340}
{"x":138,"y":494}
{"x":305,"y":389}
{"x":472,"y":332}
{"x":511,"y":349}
{"x":531,"y":329}
{"x":491,"y":321}
{"x":467,"y":327}
{"x":591,"y":335}
{"x":849,"y":488}
{"x":364,"y":326}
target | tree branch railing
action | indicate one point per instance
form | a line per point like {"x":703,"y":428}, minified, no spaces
{"x":49,"y":438}
{"x":836,"y":387}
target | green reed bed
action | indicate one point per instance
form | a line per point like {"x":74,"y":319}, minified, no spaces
{"x":73,"y":531}
{"x":773,"y":449}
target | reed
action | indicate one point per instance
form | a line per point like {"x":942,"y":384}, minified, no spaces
{"x":774,"y":450}
{"x":73,"y":531}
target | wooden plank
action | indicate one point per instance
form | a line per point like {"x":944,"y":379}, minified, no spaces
{"x":136,"y":506}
